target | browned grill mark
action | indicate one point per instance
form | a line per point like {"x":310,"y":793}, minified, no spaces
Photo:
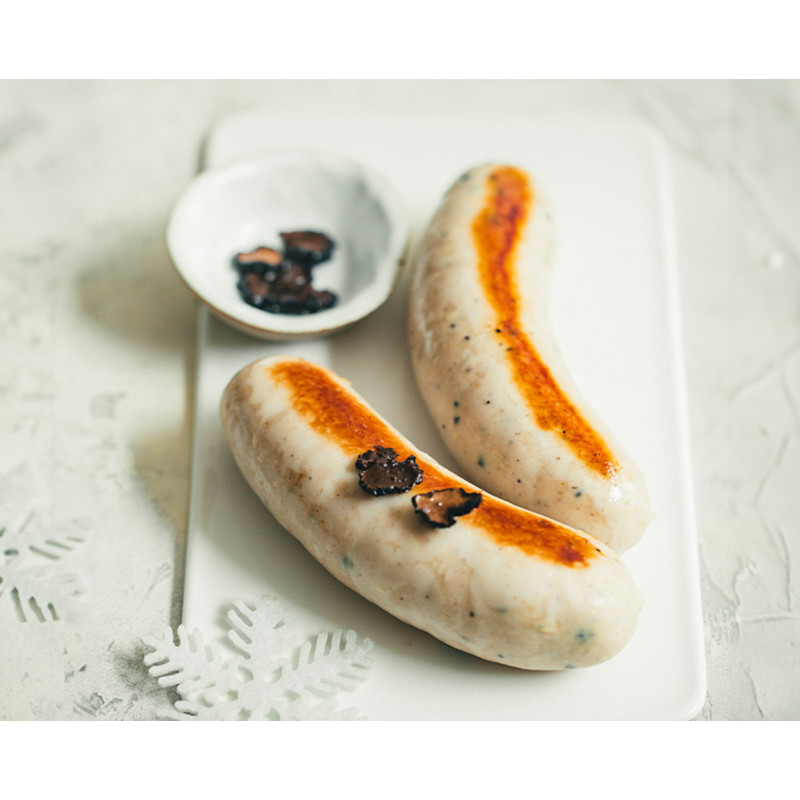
{"x":335,"y":412}
{"x":496,"y":232}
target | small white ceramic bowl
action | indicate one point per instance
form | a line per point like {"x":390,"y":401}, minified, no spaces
{"x":244,"y":205}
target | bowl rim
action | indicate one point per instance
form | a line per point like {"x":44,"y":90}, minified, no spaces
{"x":263,"y":324}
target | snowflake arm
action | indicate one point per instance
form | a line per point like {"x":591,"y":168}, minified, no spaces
{"x":194,"y":668}
{"x":330,"y":663}
{"x":29,"y":547}
{"x":261,"y":630}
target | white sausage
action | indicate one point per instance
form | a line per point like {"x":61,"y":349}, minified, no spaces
{"x":501,"y":583}
{"x":490,"y":373}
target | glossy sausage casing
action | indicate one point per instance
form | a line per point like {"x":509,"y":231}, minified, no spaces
{"x":501,"y":583}
{"x":491,"y":374}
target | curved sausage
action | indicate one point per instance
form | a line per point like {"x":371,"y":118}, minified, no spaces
{"x":501,"y":583}
{"x":490,"y":373}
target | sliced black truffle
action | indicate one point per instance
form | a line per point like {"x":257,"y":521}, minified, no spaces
{"x":286,"y":289}
{"x":308,"y":248}
{"x":254,"y":289}
{"x":259,"y":260}
{"x":380,"y":473}
{"x":441,"y":507}
{"x":280,"y":282}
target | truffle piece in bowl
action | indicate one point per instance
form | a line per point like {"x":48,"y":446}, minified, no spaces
{"x":314,"y":197}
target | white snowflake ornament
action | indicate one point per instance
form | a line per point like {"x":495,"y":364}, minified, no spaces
{"x":32,"y":546}
{"x":269,"y":678}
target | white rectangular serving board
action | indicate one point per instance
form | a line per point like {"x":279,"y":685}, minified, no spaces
{"x":615,"y":309}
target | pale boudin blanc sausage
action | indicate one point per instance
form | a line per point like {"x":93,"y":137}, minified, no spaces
{"x":502,"y":583}
{"x":490,"y":373}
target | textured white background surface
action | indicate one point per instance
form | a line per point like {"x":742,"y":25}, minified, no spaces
{"x":97,"y":348}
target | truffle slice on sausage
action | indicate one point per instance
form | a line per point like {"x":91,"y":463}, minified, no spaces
{"x":441,"y":507}
{"x":380,"y":473}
